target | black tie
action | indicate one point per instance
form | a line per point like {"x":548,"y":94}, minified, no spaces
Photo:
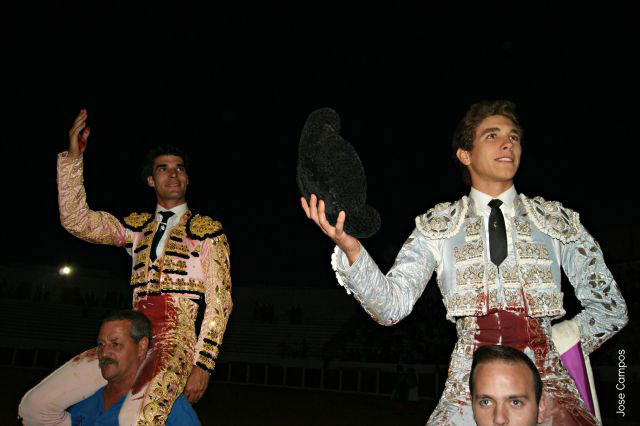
{"x":156,"y":238}
{"x":497,"y":233}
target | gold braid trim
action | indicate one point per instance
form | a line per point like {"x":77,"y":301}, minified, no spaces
{"x":200,"y":227}
{"x":137,"y":221}
{"x":219,"y":304}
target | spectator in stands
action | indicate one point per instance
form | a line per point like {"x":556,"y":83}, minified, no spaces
{"x":270,"y":313}
{"x":299,"y":314}
{"x":256,"y":311}
{"x":400,"y":392}
{"x":505,"y":387}
{"x":284,"y":349}
{"x":303,"y":348}
{"x":295,"y":315}
{"x":123,"y":342}
{"x":413,"y":395}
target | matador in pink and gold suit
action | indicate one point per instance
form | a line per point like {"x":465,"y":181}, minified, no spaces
{"x":185,"y":292}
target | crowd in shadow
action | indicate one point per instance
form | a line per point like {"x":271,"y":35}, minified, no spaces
{"x":405,"y":393}
{"x":266,"y":312}
{"x":263,"y":312}
{"x":295,"y":348}
{"x":421,"y":338}
{"x":425,"y":336}
{"x":65,"y":295}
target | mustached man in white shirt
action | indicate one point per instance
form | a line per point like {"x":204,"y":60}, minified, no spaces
{"x":498,"y":257}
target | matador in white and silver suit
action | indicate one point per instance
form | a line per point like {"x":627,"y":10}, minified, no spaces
{"x":451,"y":239}
{"x":510,"y":302}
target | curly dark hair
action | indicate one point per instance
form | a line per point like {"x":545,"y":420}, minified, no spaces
{"x":157,"y":151}
{"x":465,"y":131}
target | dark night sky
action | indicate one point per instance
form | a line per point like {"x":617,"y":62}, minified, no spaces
{"x":234,"y":84}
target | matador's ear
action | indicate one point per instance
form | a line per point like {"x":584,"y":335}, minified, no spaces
{"x":463,"y":156}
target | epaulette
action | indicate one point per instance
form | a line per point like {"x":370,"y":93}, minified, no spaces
{"x":200,"y":227}
{"x":552,"y":218}
{"x":137,"y":221}
{"x":444,"y":220}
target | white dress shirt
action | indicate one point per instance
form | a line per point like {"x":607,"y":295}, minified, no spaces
{"x":178,"y":211}
{"x":481,"y":204}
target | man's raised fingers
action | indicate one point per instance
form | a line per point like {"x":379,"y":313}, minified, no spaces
{"x":313,"y":208}
{"x":305,"y":206}
{"x":77,"y":127}
{"x":82,"y":116}
{"x":324,"y":223}
{"x":340,"y":222}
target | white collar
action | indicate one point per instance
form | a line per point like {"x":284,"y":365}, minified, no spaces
{"x":481,"y":200}
{"x":178,"y":211}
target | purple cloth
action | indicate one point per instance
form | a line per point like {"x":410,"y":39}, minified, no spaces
{"x":574,"y":363}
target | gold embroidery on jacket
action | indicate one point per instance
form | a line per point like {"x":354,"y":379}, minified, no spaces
{"x":171,"y":273}
{"x":218,"y":298}
{"x":175,"y":347}
{"x":136,"y":220}
{"x":180,"y":248}
{"x":173,"y":264}
{"x":202,"y":225}
{"x":180,"y":284}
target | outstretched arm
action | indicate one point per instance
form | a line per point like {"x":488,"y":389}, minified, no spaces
{"x":75,"y":215}
{"x":386,"y":298}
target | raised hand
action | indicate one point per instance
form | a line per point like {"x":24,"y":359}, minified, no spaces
{"x":79,"y":134}
{"x":315,"y":211}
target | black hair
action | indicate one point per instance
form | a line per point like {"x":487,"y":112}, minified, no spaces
{"x":159,"y":150}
